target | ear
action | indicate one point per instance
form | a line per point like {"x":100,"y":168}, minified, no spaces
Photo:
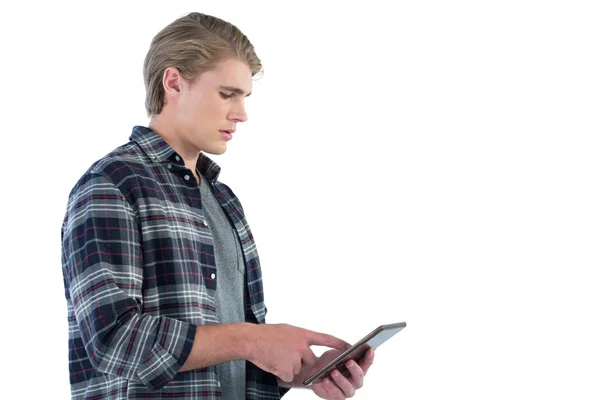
{"x":172,"y":81}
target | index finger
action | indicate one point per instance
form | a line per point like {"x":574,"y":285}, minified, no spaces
{"x":322,"y":339}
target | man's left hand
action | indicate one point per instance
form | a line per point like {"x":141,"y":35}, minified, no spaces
{"x":336,"y":386}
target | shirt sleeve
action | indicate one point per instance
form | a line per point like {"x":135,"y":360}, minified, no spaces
{"x":283,"y":391}
{"x":103,"y":270}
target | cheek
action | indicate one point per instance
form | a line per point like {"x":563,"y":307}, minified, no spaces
{"x":212,"y":109}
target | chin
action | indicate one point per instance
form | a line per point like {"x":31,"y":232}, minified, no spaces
{"x":216,"y":150}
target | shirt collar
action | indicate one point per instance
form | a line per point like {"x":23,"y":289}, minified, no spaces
{"x":158,"y":151}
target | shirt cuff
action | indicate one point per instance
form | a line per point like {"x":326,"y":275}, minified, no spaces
{"x":168,"y":354}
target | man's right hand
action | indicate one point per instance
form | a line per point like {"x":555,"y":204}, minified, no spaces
{"x":283,"y":349}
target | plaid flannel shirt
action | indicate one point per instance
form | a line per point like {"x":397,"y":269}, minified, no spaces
{"x":139,"y":275}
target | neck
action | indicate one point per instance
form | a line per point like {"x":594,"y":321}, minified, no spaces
{"x":170,"y":134}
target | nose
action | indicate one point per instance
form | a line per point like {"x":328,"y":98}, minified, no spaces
{"x":238,"y":114}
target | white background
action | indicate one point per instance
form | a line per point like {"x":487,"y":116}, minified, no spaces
{"x":432,"y":162}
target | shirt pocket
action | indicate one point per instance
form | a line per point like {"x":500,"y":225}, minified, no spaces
{"x":241,"y":267}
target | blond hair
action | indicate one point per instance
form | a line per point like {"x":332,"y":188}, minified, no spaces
{"x":193,"y":44}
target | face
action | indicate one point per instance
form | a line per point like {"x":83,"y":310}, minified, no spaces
{"x":212,"y":103}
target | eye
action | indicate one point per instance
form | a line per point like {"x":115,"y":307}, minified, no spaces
{"x":225,"y":96}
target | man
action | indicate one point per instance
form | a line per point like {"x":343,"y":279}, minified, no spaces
{"x":161,"y":272}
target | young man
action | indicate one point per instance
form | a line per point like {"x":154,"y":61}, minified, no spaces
{"x":161,"y":272}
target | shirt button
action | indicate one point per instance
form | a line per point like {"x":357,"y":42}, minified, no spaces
{"x":213,"y":275}
{"x":169,"y":166}
{"x":187,"y":177}
{"x":177,"y":158}
{"x":205,"y":223}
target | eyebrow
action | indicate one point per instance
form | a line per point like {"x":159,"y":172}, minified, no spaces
{"x":235,"y":90}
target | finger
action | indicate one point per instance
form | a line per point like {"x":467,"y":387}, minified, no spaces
{"x":356,"y":374}
{"x":322,"y":339}
{"x":309,"y":358}
{"x":367,"y":360}
{"x":285,"y":377}
{"x":333,"y":391}
{"x":297,"y":368}
{"x":344,"y":384}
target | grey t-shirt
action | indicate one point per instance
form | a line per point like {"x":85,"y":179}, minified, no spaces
{"x":231,"y":286}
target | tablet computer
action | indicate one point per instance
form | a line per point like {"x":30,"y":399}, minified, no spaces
{"x":356,"y":352}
